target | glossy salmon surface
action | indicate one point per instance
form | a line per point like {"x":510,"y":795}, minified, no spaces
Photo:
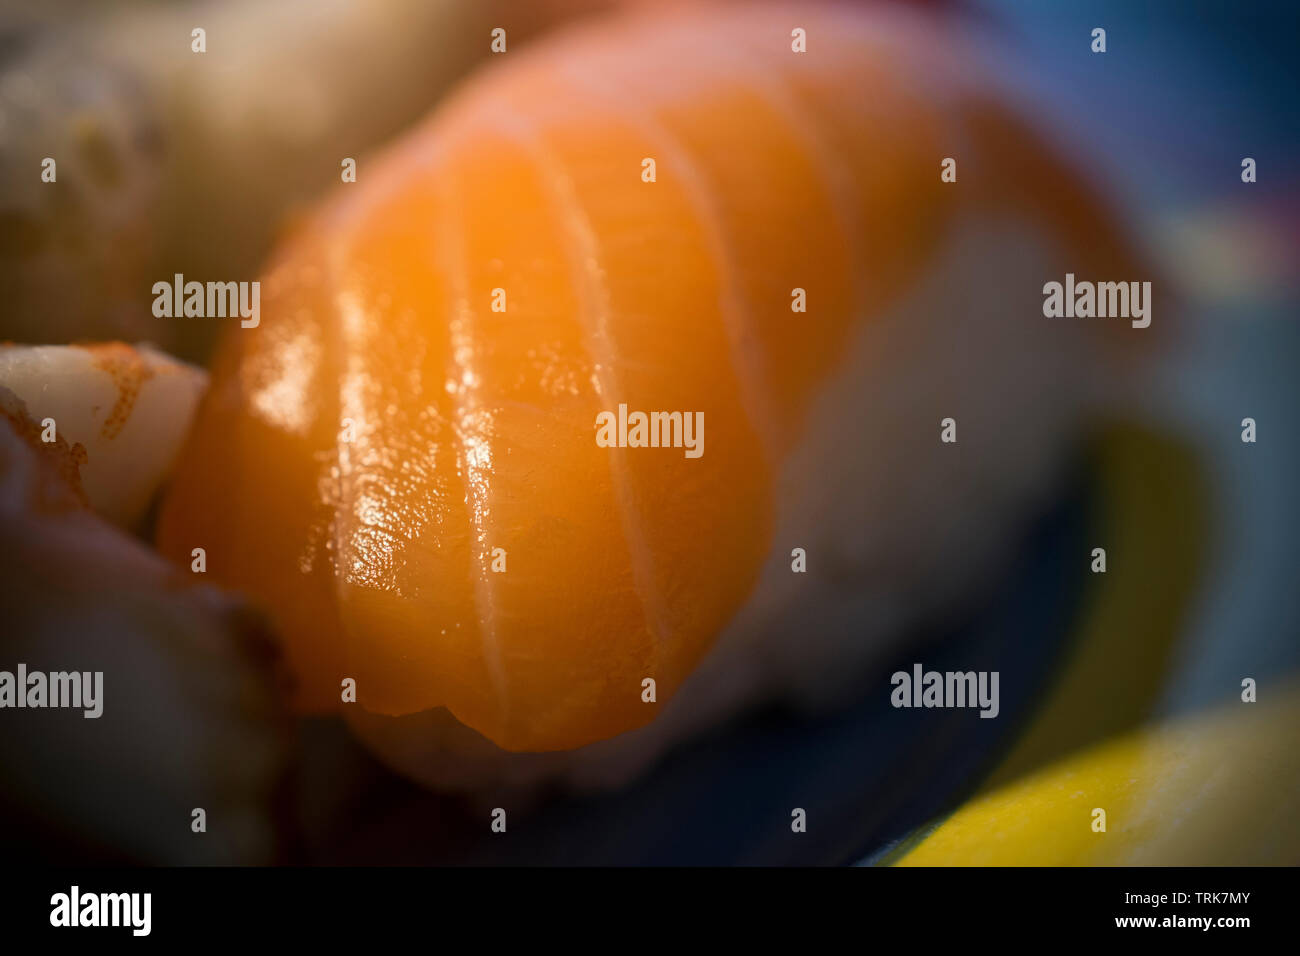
{"x":401,"y":461}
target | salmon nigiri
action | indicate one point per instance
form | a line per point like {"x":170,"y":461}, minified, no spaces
{"x":426,"y":461}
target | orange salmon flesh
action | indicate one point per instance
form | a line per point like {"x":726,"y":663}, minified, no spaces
{"x":416,"y":409}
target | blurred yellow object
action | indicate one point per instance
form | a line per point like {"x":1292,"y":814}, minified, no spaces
{"x":1217,"y":789}
{"x":1214,"y":788}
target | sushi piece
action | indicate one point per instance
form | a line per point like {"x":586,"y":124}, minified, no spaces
{"x":170,"y":159}
{"x":114,"y":414}
{"x":423,"y":461}
{"x":81,"y":166}
{"x":110,"y":779}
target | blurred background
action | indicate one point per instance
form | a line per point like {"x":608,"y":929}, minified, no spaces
{"x":1185,"y":92}
{"x":165,"y":180}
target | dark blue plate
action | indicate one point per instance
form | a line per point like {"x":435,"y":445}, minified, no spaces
{"x":866,"y":776}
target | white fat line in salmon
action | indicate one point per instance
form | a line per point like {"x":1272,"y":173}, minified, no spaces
{"x":651,"y":430}
{"x":214,"y":300}
{"x":36,"y":689}
{"x":1086,"y":300}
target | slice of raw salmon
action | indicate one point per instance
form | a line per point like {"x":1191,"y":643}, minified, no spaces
{"x":401,"y":460}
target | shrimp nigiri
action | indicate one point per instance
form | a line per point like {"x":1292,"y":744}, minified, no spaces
{"x":738,"y":215}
